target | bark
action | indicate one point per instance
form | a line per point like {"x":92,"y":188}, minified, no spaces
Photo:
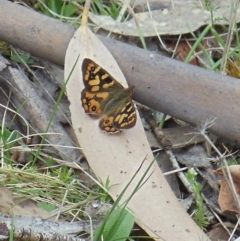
{"x":36,"y":228}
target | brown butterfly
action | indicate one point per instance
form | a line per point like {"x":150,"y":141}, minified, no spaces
{"x":106,"y":97}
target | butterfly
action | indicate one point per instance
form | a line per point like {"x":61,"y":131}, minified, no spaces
{"x":105,"y":97}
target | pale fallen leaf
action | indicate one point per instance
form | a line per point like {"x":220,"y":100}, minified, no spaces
{"x":119,"y":156}
{"x":180,"y":19}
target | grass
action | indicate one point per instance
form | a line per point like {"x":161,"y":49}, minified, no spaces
{"x":57,"y":9}
{"x":111,"y":8}
{"x":65,"y":10}
{"x":228,"y":62}
{"x":44,"y":184}
{"x":221,"y":46}
{"x":58,"y":190}
{"x":56,"y":187}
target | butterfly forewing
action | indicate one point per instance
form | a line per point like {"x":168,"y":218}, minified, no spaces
{"x":96,"y":78}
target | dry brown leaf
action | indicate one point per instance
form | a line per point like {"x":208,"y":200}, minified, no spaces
{"x":11,"y":206}
{"x":218,"y":233}
{"x":193,"y":156}
{"x":182,"y":51}
{"x":181,"y":136}
{"x":226,"y":199}
{"x":180,"y":19}
{"x":119,"y":156}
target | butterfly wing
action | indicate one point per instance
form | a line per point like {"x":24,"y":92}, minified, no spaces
{"x":97,"y":79}
{"x":124,"y":118}
{"x":99,"y":87}
{"x":93,"y":102}
{"x":106,"y":97}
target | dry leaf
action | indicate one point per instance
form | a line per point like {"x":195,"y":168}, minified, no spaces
{"x":180,"y":19}
{"x":10,"y":206}
{"x":218,"y":233}
{"x":226,"y":199}
{"x":40,"y":114}
{"x":119,"y":156}
{"x":182,"y":50}
{"x":194,"y":156}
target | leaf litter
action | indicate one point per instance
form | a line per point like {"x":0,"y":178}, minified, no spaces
{"x":163,"y":21}
{"x":179,"y":18}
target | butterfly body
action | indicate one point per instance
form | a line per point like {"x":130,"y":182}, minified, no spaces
{"x":105,"y":97}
